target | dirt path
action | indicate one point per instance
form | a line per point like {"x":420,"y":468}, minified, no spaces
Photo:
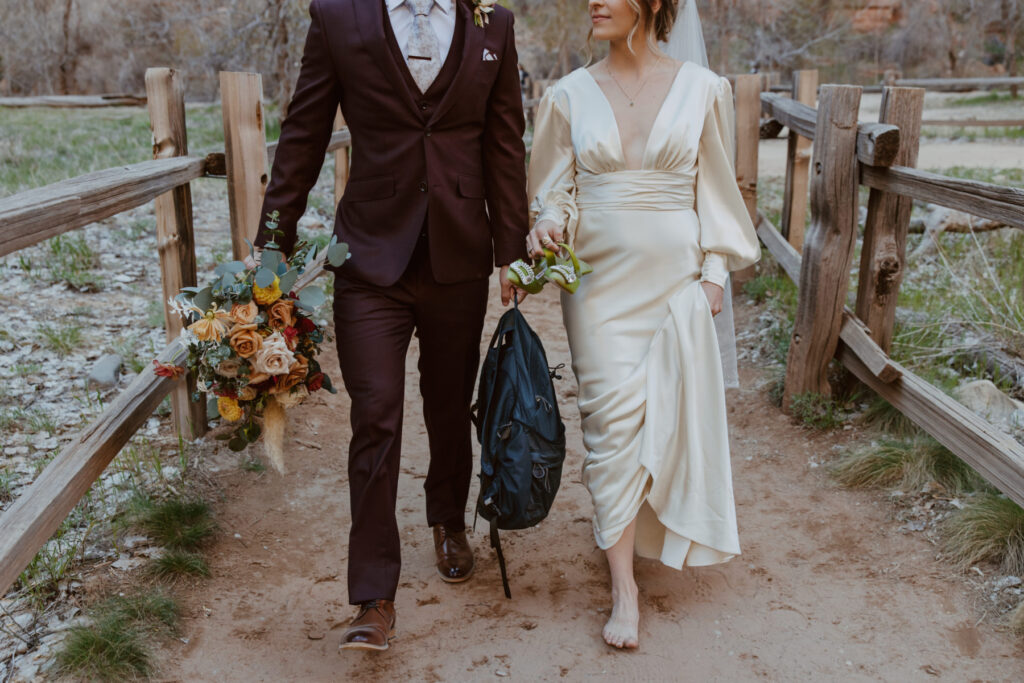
{"x":827,"y":588}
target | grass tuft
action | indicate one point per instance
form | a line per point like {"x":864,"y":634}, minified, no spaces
{"x":884,"y":417}
{"x":112,"y":647}
{"x":178,"y":563}
{"x":61,"y":340}
{"x":817,"y":411}
{"x":909,"y":464}
{"x":176,"y":524}
{"x":989,"y":528}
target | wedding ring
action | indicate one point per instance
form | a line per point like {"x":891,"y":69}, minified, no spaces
{"x":546,"y":240}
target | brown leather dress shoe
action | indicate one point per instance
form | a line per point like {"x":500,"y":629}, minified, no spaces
{"x":454,"y":554}
{"x":373,"y":628}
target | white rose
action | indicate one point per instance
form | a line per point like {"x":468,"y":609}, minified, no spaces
{"x":274,"y":357}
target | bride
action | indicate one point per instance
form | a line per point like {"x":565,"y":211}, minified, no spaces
{"x":632,"y":164}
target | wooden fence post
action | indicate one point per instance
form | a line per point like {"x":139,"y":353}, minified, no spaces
{"x":829,"y":243}
{"x":245,"y":153}
{"x":748,"y":136}
{"x":175,"y":241}
{"x":341,"y":162}
{"x":798,"y":160}
{"x":883,"y":254}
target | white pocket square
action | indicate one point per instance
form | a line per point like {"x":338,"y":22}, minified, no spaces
{"x":489,"y":56}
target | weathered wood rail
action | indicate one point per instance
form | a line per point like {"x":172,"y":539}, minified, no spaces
{"x":35,"y":215}
{"x":881,"y":156}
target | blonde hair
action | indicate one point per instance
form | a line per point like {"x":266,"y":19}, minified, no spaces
{"x":659,"y":24}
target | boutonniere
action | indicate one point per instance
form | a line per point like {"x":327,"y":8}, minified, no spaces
{"x":481,"y":10}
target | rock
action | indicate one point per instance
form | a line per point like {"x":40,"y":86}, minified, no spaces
{"x":24,"y":620}
{"x":310,"y":223}
{"x":107,"y":371}
{"x":1006,"y":582}
{"x":984,"y":398}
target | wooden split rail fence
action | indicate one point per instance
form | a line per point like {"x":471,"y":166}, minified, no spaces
{"x":30,"y":217}
{"x":879,"y":155}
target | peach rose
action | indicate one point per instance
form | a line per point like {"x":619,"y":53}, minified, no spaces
{"x":247,"y":394}
{"x":274,"y":357}
{"x":245,"y":340}
{"x":228,"y":368}
{"x":281,"y":314}
{"x":244,"y":313}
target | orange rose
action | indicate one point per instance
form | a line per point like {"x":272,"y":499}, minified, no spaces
{"x":244,"y":313}
{"x":281,"y":314}
{"x":296,"y":374}
{"x":245,"y":340}
{"x":258,"y":378}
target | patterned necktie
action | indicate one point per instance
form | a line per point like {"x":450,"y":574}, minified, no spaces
{"x":424,"y":54}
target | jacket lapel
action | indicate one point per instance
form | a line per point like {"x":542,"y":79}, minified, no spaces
{"x":472,"y":53}
{"x":370,"y":19}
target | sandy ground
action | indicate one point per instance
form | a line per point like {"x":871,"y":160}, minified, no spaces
{"x":827,"y":587}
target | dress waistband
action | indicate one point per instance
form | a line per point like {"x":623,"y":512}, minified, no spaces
{"x":635,"y":190}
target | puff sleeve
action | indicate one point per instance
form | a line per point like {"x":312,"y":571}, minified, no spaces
{"x":551,"y":181}
{"x":727,"y":235}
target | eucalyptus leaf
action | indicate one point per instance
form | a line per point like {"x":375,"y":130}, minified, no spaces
{"x":264,"y":277}
{"x":211,"y":408}
{"x":237,"y":444}
{"x":311,"y":254}
{"x":203,"y":299}
{"x":252,"y":249}
{"x":337,"y":253}
{"x":191,"y":290}
{"x":312,"y":297}
{"x":288,"y":280}
{"x":271,"y":259}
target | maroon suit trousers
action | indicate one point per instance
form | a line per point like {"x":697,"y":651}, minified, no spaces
{"x":373,"y":327}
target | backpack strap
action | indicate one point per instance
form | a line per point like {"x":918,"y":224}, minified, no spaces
{"x":496,"y":544}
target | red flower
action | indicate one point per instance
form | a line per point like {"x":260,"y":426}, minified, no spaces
{"x":290,"y":335}
{"x":219,"y":390}
{"x":315,"y":381}
{"x":306,"y":325}
{"x":167,"y":369}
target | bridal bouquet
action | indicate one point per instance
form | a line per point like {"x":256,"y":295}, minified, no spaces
{"x":252,"y":341}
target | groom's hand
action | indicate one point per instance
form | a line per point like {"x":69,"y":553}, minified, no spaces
{"x":253,"y":262}
{"x":507,"y":288}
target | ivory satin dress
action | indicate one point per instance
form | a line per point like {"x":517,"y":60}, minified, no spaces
{"x":643,"y":343}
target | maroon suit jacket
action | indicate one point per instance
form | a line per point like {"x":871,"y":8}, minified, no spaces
{"x":462,"y":168}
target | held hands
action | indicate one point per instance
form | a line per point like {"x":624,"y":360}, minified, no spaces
{"x":507,"y":288}
{"x":715,"y":295}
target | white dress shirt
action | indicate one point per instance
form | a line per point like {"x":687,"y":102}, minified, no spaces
{"x":442,"y":18}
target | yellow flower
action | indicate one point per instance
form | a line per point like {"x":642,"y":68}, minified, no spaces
{"x":229,"y":409}
{"x":267,"y":295}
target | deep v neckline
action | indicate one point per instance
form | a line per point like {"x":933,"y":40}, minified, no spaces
{"x":654,"y":124}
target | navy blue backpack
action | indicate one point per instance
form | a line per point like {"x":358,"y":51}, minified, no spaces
{"x":522,"y":438}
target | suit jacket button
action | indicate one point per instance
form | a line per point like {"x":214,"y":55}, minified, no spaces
{"x":423,"y":106}
{"x":428,"y":132}
{"x":423,"y":187}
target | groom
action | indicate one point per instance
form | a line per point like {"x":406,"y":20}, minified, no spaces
{"x":437,"y":194}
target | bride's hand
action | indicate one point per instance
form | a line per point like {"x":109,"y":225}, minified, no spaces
{"x":715,"y":294}
{"x":545,"y":235}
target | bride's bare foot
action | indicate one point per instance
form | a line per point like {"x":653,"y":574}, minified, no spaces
{"x":622,"y":628}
